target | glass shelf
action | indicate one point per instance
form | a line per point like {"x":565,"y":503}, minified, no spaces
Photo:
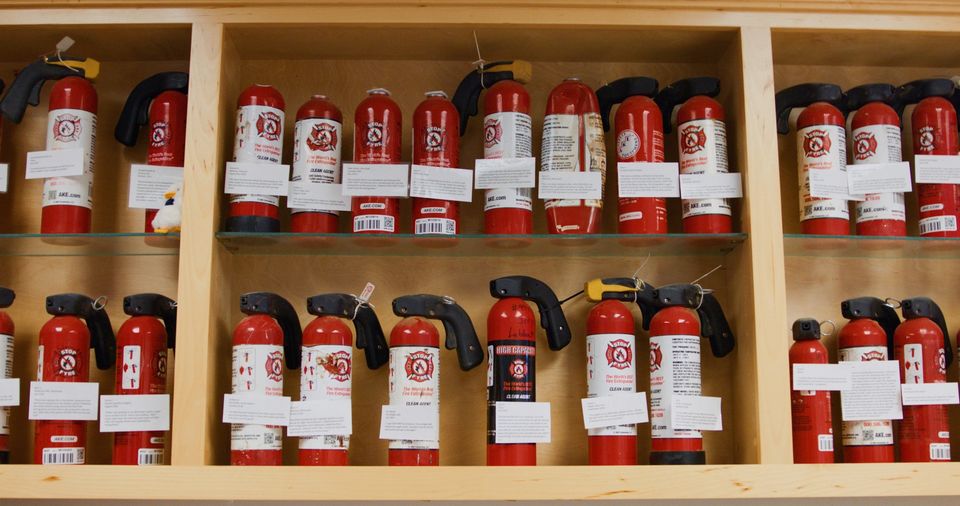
{"x":854,"y":246}
{"x":476,"y":245}
{"x":116,"y":244}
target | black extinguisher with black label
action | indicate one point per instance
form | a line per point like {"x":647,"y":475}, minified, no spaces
{"x":810,"y":410}
{"x":6,"y":368}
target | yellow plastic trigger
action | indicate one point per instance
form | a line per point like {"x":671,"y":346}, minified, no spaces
{"x":522,"y":70}
{"x":595,"y":288}
{"x":89,"y":66}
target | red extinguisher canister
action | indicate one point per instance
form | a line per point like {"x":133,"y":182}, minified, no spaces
{"x":436,"y":143}
{"x":639,"y":138}
{"x":867,"y":337}
{"x":160,"y":101}
{"x":6,"y":368}
{"x":512,"y":350}
{"x":259,"y":139}
{"x":701,"y":146}
{"x":573,"y":142}
{"x":934,"y":130}
{"x":326,"y":366}
{"x":811,"y":413}
{"x":78,"y":324}
{"x":922,"y":346}
{"x":262,"y":342}
{"x":507,"y":133}
{"x":821,"y":145}
{"x":377,"y":135}
{"x":415,"y":363}
{"x":686,"y":314}
{"x":142,"y":344}
{"x":317,"y":147}
{"x":875,"y":138}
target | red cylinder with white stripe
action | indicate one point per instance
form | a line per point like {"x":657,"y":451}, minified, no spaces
{"x":639,"y":127}
{"x":702,"y":146}
{"x":415,"y":381}
{"x":611,"y":370}
{"x":326,"y":373}
{"x":821,"y":145}
{"x":436,"y":143}
{"x":507,"y":133}
{"x":317,"y":144}
{"x":934,"y":123}
{"x":257,"y":370}
{"x":376,"y":139}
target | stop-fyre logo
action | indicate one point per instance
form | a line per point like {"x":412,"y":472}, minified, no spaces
{"x":323,"y":137}
{"x":492,"y":133}
{"x":268,"y":126}
{"x":337,"y":364}
{"x":274,"y":366}
{"x":66,"y":128}
{"x":419,"y":366}
{"x":816,"y":143}
{"x":67,"y":362}
{"x":693,"y":139}
{"x":518,"y":368}
{"x":864,"y":145}
{"x":656,"y":357}
{"x":158,"y":134}
{"x":619,"y":354}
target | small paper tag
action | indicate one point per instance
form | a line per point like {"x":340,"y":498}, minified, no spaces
{"x":829,"y":184}
{"x":416,"y":423}
{"x":441,"y":183}
{"x":367,"y":292}
{"x":648,"y":179}
{"x":55,"y":163}
{"x":693,"y":412}
{"x":562,"y":184}
{"x":875,"y":393}
{"x":4,"y":177}
{"x":256,"y":409}
{"x":53,"y":400}
{"x":320,"y":418}
{"x":720,"y":185}
{"x":148,"y":183}
{"x":493,"y":173}
{"x":375,"y":180}
{"x":134,"y":413}
{"x":879,"y":178}
{"x":523,"y":422}
{"x":10,"y":392}
{"x":821,"y":377}
{"x":937,"y":169}
{"x":927,"y":394}
{"x":257,"y":179}
{"x":613,"y":410}
{"x":326,"y":196}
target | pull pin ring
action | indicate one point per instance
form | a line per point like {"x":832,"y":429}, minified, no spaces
{"x":360,"y":303}
{"x":833,"y":328}
{"x":700,"y":292}
{"x":894,"y":303}
{"x":99,"y":303}
{"x":448,"y":299}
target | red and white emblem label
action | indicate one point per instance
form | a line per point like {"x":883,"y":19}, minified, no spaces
{"x":518,"y":369}
{"x":67,"y":362}
{"x":269,"y":125}
{"x":325,"y":374}
{"x":159,"y":133}
{"x":375,"y":134}
{"x":67,"y":128}
{"x":628,"y":144}
{"x":692,"y":139}
{"x":435,"y":139}
{"x":492,"y":132}
{"x":323,"y":137}
{"x":864,"y":145}
{"x":414,"y":381}
{"x":274,"y":366}
{"x":419,"y":366}
{"x":619,"y":354}
{"x":926,"y":139}
{"x":611,"y":370}
{"x":816,"y":143}
{"x":337,"y":365}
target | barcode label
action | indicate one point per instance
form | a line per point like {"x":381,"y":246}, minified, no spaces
{"x":825,"y":442}
{"x":938,"y":224}
{"x":435,"y":226}
{"x":149,"y":457}
{"x":373,"y":223}
{"x":940,"y":451}
{"x":55,"y":456}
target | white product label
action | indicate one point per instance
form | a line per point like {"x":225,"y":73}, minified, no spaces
{"x":940,"y":451}
{"x":4,"y":177}
{"x":561,"y":146}
{"x":570,"y":185}
{"x":507,"y":135}
{"x":326,"y":374}
{"x":615,"y":411}
{"x":506,"y":173}
{"x":374,"y":223}
{"x":54,"y":163}
{"x":930,"y":394}
{"x":648,"y":179}
{"x":9,"y":392}
{"x":130,"y":368}
{"x":256,"y":179}
{"x":816,"y":377}
{"x":913,"y":363}
{"x":874,"y":144}
{"x":875,"y":394}
{"x":54,"y":400}
{"x":702,"y":146}
{"x":150,"y":457}
{"x":830,"y":184}
{"x":821,"y":149}
{"x":891,"y":177}
{"x":258,"y":140}
{"x":869,"y":432}
{"x":612,"y":371}
{"x":68,"y":191}
{"x":72,"y":129}
{"x":325,"y":420}
{"x":937,"y":169}
{"x":375,"y":180}
{"x":674,"y":370}
{"x":9,"y":396}
{"x":149,"y":183}
{"x":304,"y":196}
{"x":256,"y":409}
{"x":938,"y":224}
{"x":442,"y":226}
{"x":415,"y":381}
{"x":317,"y":144}
{"x":134,"y":413}
{"x":719,"y":185}
{"x":693,"y":412}
{"x":442,"y":183}
{"x":258,"y":371}
{"x":522,"y":422}
{"x":400,"y":423}
{"x":59,"y":456}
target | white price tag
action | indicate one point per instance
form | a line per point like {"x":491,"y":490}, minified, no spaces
{"x":878,"y":178}
{"x":55,"y":163}
{"x":441,"y":183}
{"x":493,"y":173}
{"x":648,"y":179}
{"x":416,"y":423}
{"x":256,"y":409}
{"x":613,"y":410}
{"x":326,"y":196}
{"x":10,"y":392}
{"x":257,"y":179}
{"x":720,"y":185}
{"x":148,"y":183}
{"x":4,"y":177}
{"x":829,"y":184}
{"x":375,"y":180}
{"x":926,"y":394}
{"x":937,"y":169}
{"x":332,"y":417}
{"x":523,"y":422}
{"x":134,"y":413}
{"x":561,"y":184}
{"x":692,"y":412}
{"x":821,"y":377}
{"x":53,"y":400}
{"x":875,"y":393}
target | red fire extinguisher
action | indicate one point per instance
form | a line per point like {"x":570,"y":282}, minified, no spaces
{"x":436,"y":142}
{"x":821,"y":145}
{"x":415,"y":363}
{"x":507,"y":133}
{"x":161,"y":101}
{"x":377,"y":136}
{"x":259,"y":139}
{"x":512,"y":350}
{"x":326,"y":366}
{"x":317,"y":145}
{"x":934,"y":128}
{"x":922,"y":346}
{"x":686,"y":313}
{"x":6,"y":354}
{"x":573,"y":142}
{"x":269,"y":336}
{"x":142,"y":343}
{"x":810,"y":409}
{"x":875,"y":138}
{"x":701,"y":147}
{"x":868,"y":337}
{"x":63,"y":356}
{"x":639,"y":138}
